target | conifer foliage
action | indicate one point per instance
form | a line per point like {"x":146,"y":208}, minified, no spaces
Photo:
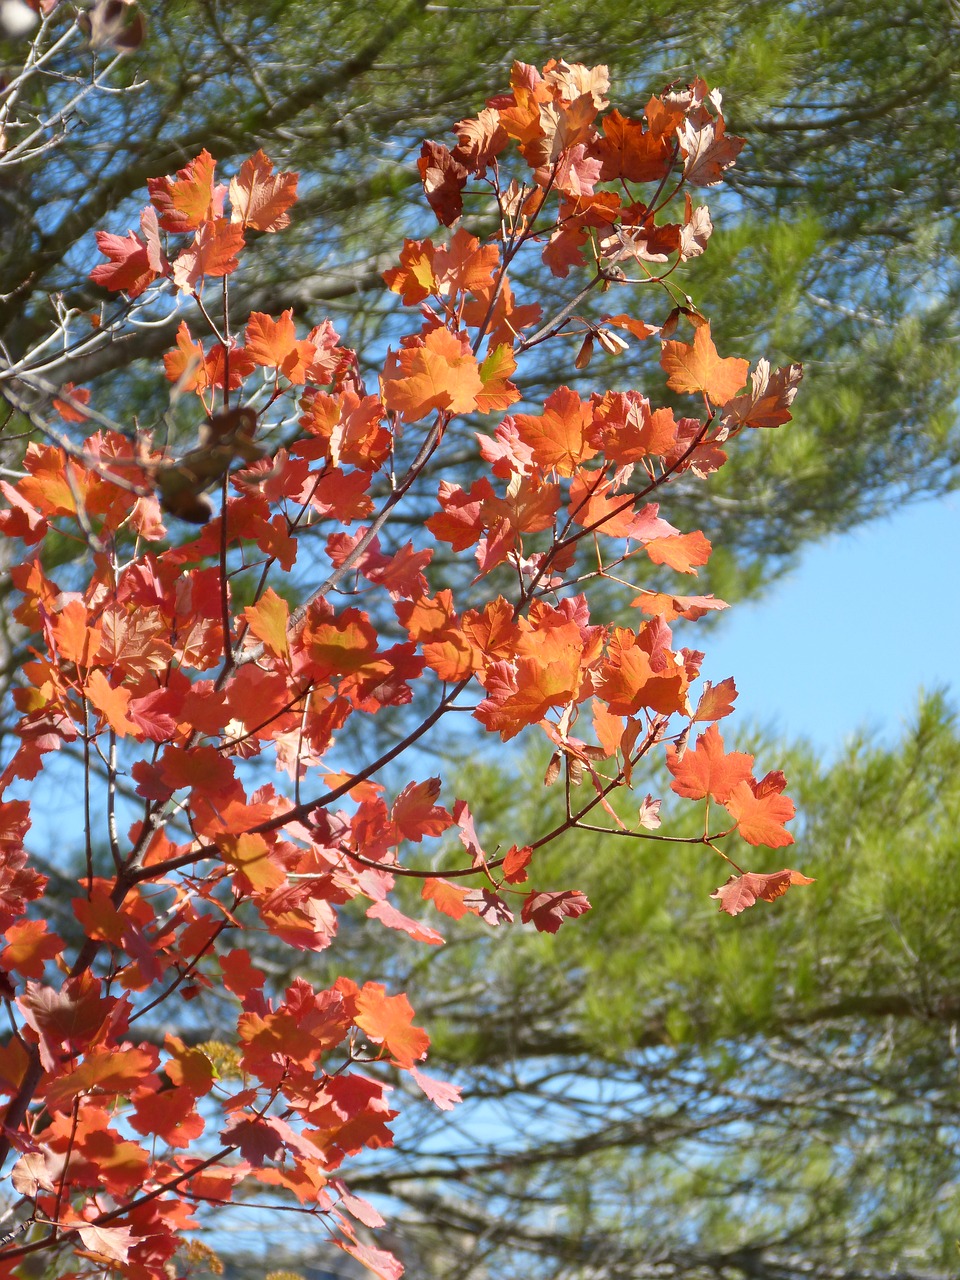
{"x":232,"y":605}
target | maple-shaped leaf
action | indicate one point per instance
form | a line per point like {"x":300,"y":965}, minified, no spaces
{"x":559,"y":437}
{"x":628,"y":150}
{"x":515,"y":864}
{"x":767,"y":403}
{"x":668,"y":607}
{"x":170,"y":1114}
{"x":443,"y":178}
{"x":549,"y":910}
{"x":708,"y":149}
{"x":741,"y":892}
{"x":69,"y":412}
{"x":414,"y":813}
{"x":697,"y":366}
{"x":716,"y":701}
{"x":479,"y":140}
{"x":213,"y":253}
{"x":28,"y":948}
{"x":134,"y":262}
{"x":708,"y":769}
{"x":260,"y":198}
{"x":188,"y":201}
{"x":378,"y":1261}
{"x":388,"y":1020}
{"x":640,"y":670}
{"x":414,"y":279}
{"x":436,"y":372}
{"x":760,"y":810}
{"x":498,"y":391}
{"x":240,"y":975}
{"x":113,"y":704}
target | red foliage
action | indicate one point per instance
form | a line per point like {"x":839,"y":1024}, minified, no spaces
{"x":150,"y":659}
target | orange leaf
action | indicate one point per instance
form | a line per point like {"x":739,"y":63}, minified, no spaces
{"x":696,"y":366}
{"x":268,"y":620}
{"x":716,"y":701}
{"x":558,"y":436}
{"x":388,"y":1020}
{"x":414,"y":813}
{"x":681,"y":551}
{"x":260,"y":198}
{"x":388,"y":915}
{"x":446,"y":897}
{"x":28,"y":947}
{"x":708,"y":770}
{"x":188,"y":201}
{"x":213,"y":253}
{"x":741,"y":892}
{"x":515,"y":864}
{"x":438,"y":372}
{"x":113,"y":704}
{"x":760,"y":812}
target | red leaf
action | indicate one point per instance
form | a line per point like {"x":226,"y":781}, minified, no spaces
{"x":741,"y":892}
{"x":443,"y":179}
{"x":716,"y":701}
{"x":134,"y":262}
{"x":515,"y":864}
{"x":28,"y":947}
{"x":549,"y":910}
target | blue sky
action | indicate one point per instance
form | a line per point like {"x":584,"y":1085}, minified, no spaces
{"x":845,"y":642}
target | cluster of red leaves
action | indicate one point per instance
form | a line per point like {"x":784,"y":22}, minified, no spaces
{"x":151,"y":666}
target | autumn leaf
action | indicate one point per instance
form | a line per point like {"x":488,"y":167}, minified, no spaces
{"x":259,"y":197}
{"x":548,"y":911}
{"x":388,"y":1020}
{"x":760,"y":810}
{"x":134,"y":262}
{"x":107,"y":1244}
{"x":190,"y":200}
{"x":767,"y":403}
{"x":558,"y":438}
{"x":716,"y":701}
{"x":708,"y":769}
{"x":440,"y":1092}
{"x":741,"y":892}
{"x":437,"y":372}
{"x":414,"y":813}
{"x":696,"y":366}
{"x":268,"y":620}
{"x":213,"y":253}
{"x":388,"y":915}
